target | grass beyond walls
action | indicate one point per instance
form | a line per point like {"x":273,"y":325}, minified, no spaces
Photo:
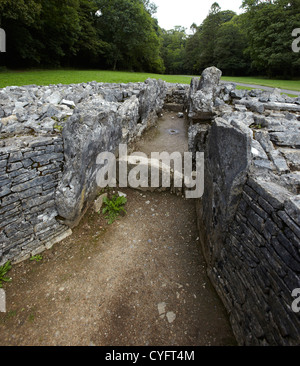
{"x":47,"y":77}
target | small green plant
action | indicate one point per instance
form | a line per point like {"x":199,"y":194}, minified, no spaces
{"x":36,"y":258}
{"x":259,"y":126}
{"x":58,"y":127}
{"x":3,"y":270}
{"x":113,"y":207}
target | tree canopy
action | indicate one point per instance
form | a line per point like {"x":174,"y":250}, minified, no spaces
{"x":125,"y":35}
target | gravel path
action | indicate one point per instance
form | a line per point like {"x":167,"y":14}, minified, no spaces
{"x":140,"y":281}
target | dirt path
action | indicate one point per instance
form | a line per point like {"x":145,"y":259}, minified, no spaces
{"x":140,"y":281}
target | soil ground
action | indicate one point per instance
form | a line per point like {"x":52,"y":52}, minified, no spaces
{"x":139,"y":281}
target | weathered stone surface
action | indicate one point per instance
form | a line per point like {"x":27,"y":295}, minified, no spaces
{"x":292,"y":157}
{"x":202,"y":94}
{"x":257,"y":151}
{"x":279,"y":161}
{"x":282,"y":106}
{"x":264,"y":139}
{"x":99,"y":202}
{"x":292,"y":208}
{"x":286,"y":138}
{"x":27,"y":193}
{"x":222,"y":191}
{"x":100,"y":126}
{"x":258,"y":245}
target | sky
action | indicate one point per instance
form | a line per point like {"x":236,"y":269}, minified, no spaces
{"x":186,"y":12}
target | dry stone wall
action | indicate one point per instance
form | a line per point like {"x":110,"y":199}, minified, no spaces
{"x":50,"y":137}
{"x":29,"y":174}
{"x":249,"y":215}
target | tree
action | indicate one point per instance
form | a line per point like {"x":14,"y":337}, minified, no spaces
{"x":269,"y":28}
{"x":200,"y":48}
{"x":19,"y":19}
{"x":150,"y":7}
{"x":229,"y":48}
{"x":173,"y":51}
{"x":90,"y":48}
{"x":192,"y":52}
{"x":59,"y":31}
{"x":129,"y":32}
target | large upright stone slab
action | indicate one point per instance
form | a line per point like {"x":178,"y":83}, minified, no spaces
{"x":202,"y":95}
{"x":225,"y":176}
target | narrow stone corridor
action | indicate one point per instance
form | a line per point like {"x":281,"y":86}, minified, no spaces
{"x":138,"y":282}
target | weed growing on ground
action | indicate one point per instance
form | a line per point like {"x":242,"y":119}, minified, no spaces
{"x":3,"y":270}
{"x":36,"y":258}
{"x":113,"y":207}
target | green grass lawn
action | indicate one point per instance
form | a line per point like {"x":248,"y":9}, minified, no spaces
{"x":46,"y":77}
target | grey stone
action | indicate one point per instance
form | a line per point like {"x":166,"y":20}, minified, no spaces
{"x":5,"y":190}
{"x":98,"y":127}
{"x":286,"y":138}
{"x":292,"y":208}
{"x":255,"y":220}
{"x":99,"y":202}
{"x":264,"y":139}
{"x":68,"y":103}
{"x":264,"y":164}
{"x":282,"y":106}
{"x":202,"y":94}
{"x":292,"y":157}
{"x":237,"y":93}
{"x":14,"y":166}
{"x":54,"y":98}
{"x":293,"y":263}
{"x":290,"y":223}
{"x":257,"y":151}
{"x":222,"y":192}
{"x":279,"y":161}
{"x":271,"y":192}
{"x":47,"y":158}
{"x":17,"y":156}
{"x":257,"y":107}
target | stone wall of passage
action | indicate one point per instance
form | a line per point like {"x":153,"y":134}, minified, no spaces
{"x":176,"y":97}
{"x":50,"y":137}
{"x":249,"y":214}
{"x":30,"y":170}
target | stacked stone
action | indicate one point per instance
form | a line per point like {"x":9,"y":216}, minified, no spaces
{"x":45,"y":109}
{"x":176,"y":97}
{"x":249,"y":215}
{"x":50,"y":137}
{"x":260,"y":265}
{"x":30,"y":169}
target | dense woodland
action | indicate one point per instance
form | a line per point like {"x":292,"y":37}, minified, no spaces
{"x":125,"y":35}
